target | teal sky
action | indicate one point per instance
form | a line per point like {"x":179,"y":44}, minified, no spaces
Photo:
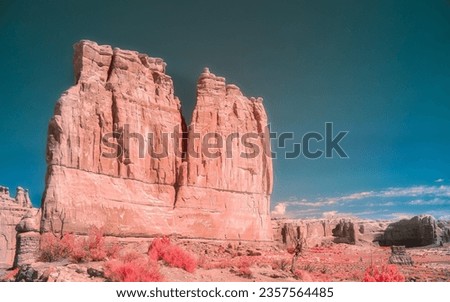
{"x":378,"y":69}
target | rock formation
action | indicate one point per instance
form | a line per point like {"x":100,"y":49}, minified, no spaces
{"x":312,"y":231}
{"x":324,"y":231}
{"x":11,"y":212}
{"x":27,"y":238}
{"x":417,"y":231}
{"x":118,"y":156}
{"x":345,"y":232}
{"x":400,"y":256}
{"x":226,"y":190}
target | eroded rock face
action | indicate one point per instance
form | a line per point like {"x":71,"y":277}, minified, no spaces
{"x":225,"y":190}
{"x":345,"y":232}
{"x":140,"y":180}
{"x":400,"y":256}
{"x":417,"y":231}
{"x":11,"y":212}
{"x":318,"y":232}
{"x":114,"y":184}
{"x":313,"y":231}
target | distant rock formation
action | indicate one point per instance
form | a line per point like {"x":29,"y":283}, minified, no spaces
{"x":345,"y":232}
{"x":11,"y":212}
{"x":418,"y":231}
{"x":312,"y":231}
{"x":317,"y":232}
{"x":116,"y":183}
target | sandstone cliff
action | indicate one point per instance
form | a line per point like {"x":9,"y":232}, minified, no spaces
{"x":11,"y":212}
{"x":316,"y":232}
{"x":418,"y":231}
{"x":136,"y":185}
{"x":226,"y":189}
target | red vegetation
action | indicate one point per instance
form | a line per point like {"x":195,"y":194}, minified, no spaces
{"x":133,"y":267}
{"x":95,"y":244}
{"x":387,"y":273}
{"x":53,"y":248}
{"x":173,"y":255}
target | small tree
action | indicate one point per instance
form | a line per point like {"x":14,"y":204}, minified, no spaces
{"x":299,"y":243}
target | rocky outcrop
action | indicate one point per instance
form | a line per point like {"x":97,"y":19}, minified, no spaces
{"x":11,"y":212}
{"x":118,"y":154}
{"x":312,"y":231}
{"x":99,"y":171}
{"x":317,"y":232}
{"x":345,"y":232}
{"x":27,"y":238}
{"x":400,"y":256}
{"x":225,"y":190}
{"x":418,"y":231}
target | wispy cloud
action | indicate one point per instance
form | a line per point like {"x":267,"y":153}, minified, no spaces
{"x":400,"y":216}
{"x":434,"y":201}
{"x":439,"y":180}
{"x":413,"y":198}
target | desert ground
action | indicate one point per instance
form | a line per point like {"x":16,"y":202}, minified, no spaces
{"x":226,"y":262}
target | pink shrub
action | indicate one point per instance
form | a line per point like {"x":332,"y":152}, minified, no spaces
{"x":158,"y":247}
{"x":75,"y":248}
{"x":132,"y":268}
{"x":96,"y":244}
{"x":53,"y":248}
{"x":173,"y":255}
{"x":387,"y":273}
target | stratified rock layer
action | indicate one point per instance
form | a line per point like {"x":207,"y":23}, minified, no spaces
{"x":226,"y":187}
{"x":417,"y":231}
{"x":112,"y":183}
{"x":11,"y":212}
{"x":115,"y":159}
{"x":324,"y":231}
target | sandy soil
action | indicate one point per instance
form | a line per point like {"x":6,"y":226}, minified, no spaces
{"x":334,"y":262}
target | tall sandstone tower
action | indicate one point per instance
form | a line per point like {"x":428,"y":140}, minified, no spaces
{"x":100,"y":171}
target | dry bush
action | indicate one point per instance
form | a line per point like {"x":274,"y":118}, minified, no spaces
{"x":243,"y":265}
{"x":132,"y":267}
{"x":95,"y":244}
{"x":173,"y":255}
{"x":387,"y":273}
{"x":280,"y":264}
{"x":245,"y":272}
{"x":53,"y":248}
{"x":75,"y":248}
{"x":309,"y":267}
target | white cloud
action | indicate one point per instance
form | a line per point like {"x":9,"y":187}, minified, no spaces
{"x":400,"y":216}
{"x":439,"y":180}
{"x":434,"y":201}
{"x":414,"y":196}
{"x":279,"y":209}
{"x":329,"y":214}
